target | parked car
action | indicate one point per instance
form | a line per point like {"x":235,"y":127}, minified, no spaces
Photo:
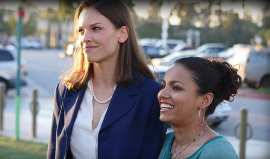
{"x":210,"y":50}
{"x":205,"y":51}
{"x":257,"y":72}
{"x":169,"y":59}
{"x":222,"y":111}
{"x":226,"y":54}
{"x":149,"y":41}
{"x":27,"y":43}
{"x":154,"y":52}
{"x":171,"y":43}
{"x":70,"y":48}
{"x":8,"y":67}
{"x":182,"y":47}
{"x":239,"y":59}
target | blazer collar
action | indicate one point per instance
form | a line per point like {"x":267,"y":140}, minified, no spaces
{"x":121,"y":103}
{"x":71,"y":105}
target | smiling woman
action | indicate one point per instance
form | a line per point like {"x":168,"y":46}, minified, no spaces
{"x":190,"y":91}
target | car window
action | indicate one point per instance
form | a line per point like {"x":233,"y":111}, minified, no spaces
{"x":5,"y":56}
{"x":215,"y":50}
{"x":151,"y":50}
{"x":268,"y":58}
{"x":171,"y":46}
{"x":259,"y":57}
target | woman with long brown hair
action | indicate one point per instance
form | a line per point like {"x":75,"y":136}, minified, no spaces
{"x":106,"y":105}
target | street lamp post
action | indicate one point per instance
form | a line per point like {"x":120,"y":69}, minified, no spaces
{"x":165,"y":13}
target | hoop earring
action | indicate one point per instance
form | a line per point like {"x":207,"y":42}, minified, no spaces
{"x":201,"y":123}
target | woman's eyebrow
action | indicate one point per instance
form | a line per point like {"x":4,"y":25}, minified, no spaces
{"x":177,"y":81}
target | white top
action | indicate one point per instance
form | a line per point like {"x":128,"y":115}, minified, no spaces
{"x":84,"y":140}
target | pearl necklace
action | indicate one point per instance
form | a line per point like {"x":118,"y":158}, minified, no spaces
{"x":176,"y":154}
{"x":93,"y":93}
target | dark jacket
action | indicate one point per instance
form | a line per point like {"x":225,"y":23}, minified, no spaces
{"x":131,"y":128}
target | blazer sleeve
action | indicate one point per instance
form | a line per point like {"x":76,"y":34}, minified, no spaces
{"x":154,"y":134}
{"x":55,"y":117}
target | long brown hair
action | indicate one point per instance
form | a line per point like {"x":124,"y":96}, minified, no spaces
{"x":130,"y":60}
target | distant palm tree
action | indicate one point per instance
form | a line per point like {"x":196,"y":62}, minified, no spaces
{"x":51,"y":16}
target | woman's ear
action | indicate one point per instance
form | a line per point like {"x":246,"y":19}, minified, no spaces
{"x":123,"y":34}
{"x":206,"y":100}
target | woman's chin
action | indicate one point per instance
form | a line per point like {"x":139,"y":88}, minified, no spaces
{"x":164,"y":119}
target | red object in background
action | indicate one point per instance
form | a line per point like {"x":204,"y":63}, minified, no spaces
{"x":20,"y":12}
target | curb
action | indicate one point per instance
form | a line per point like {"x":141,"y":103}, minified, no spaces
{"x":253,"y":95}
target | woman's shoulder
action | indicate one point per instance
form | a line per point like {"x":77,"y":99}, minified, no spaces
{"x":218,"y":147}
{"x":61,"y":87}
{"x":220,"y":140}
{"x":166,"y":146}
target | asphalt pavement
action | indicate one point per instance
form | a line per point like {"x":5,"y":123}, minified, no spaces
{"x":255,"y":149}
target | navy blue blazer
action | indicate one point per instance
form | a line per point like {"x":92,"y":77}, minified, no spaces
{"x":131,"y":128}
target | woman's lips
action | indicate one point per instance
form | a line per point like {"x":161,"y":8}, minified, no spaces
{"x":87,"y":48}
{"x":165,"y":107}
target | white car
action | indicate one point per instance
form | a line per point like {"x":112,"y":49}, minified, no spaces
{"x":8,"y":67}
{"x":258,"y":69}
{"x":222,"y":111}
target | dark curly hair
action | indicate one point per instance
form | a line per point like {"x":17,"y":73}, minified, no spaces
{"x":215,"y":76}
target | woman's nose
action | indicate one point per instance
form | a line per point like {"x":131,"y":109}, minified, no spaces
{"x":163,"y":93}
{"x":86,"y":37}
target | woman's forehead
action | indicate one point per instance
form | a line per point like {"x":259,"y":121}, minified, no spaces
{"x":91,"y":15}
{"x":178,"y":71}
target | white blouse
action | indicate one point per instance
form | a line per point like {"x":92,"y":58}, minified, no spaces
{"x":84,"y":140}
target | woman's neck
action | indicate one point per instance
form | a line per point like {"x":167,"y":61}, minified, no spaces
{"x":184,"y":135}
{"x":104,"y":76}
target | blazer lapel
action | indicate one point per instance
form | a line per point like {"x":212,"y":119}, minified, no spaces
{"x":120,"y":104}
{"x":71,"y":105}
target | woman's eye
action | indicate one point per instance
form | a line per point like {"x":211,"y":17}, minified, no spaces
{"x":81,"y":31}
{"x":177,"y":88}
{"x":96,"y":28}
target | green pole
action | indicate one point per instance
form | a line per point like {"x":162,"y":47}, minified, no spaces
{"x":18,"y":81}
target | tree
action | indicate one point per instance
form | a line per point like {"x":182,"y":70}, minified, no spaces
{"x":65,"y":14}
{"x":11,"y":26}
{"x":51,"y":16}
{"x":265,"y":30}
{"x":2,"y":24}
{"x":186,"y":13}
{"x":30,"y":27}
